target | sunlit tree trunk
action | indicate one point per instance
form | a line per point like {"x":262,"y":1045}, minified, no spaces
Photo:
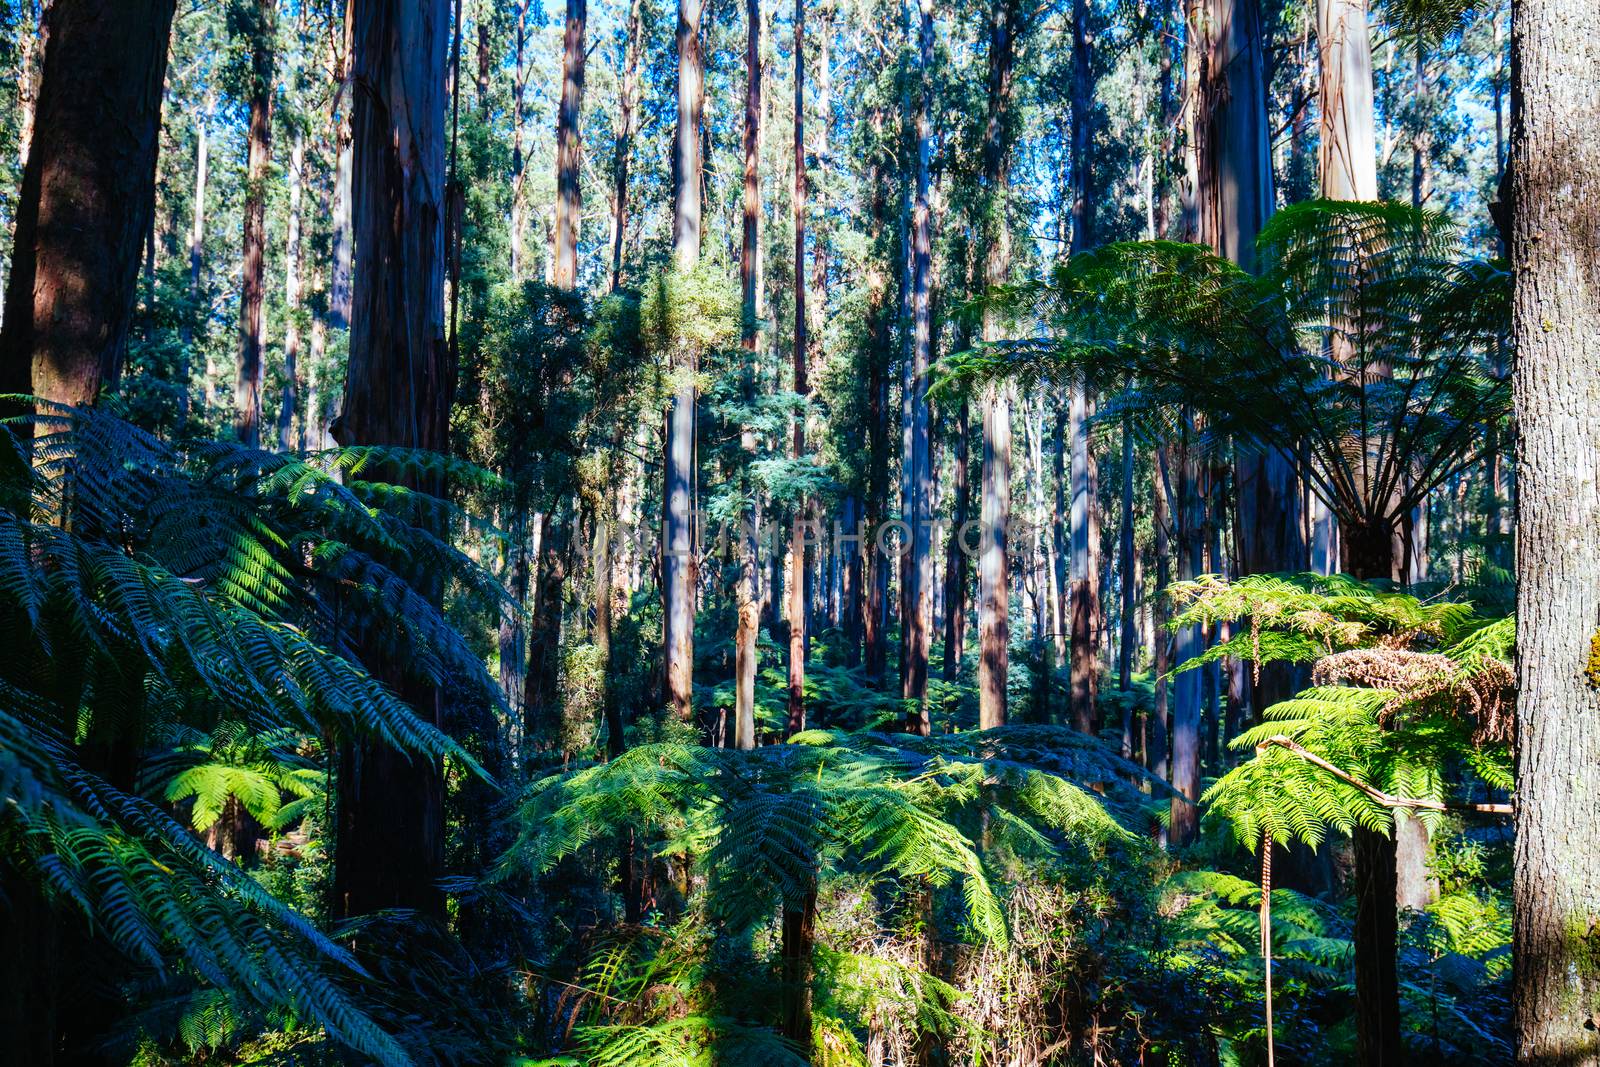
{"x":569,"y":146}
{"x":994,"y":579}
{"x":253,"y":290}
{"x":390,"y":827}
{"x":1347,"y":147}
{"x":1129,"y":638}
{"x":677,"y":564}
{"x":1555,"y":186}
{"x":749,"y":606}
{"x":799,"y":549}
{"x":86,"y":199}
{"x":627,"y":102}
{"x":288,"y":411}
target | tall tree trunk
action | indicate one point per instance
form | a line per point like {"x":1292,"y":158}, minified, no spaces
{"x":569,"y":146}
{"x":1081,"y":600}
{"x":874,"y":622}
{"x":918,"y":577}
{"x":799,"y":554}
{"x":1189,"y":513}
{"x":677,"y":564}
{"x":253,"y":288}
{"x":1555,"y":193}
{"x":749,"y":607}
{"x":1125,"y":565}
{"x":87,"y":197}
{"x":83,"y":209}
{"x":289,"y":409}
{"x":1347,"y":148}
{"x":1156,"y":754}
{"x":956,"y":561}
{"x":390,"y":829}
{"x":197,"y":248}
{"x":342,"y":273}
{"x":627,"y":101}
{"x":994,"y":579}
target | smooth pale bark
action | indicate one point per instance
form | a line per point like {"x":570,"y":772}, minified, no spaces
{"x":87,"y":198}
{"x":798,"y":613}
{"x":1555,"y":245}
{"x":677,"y":564}
{"x":994,"y":578}
{"x":1347,"y":145}
{"x":749,"y":605}
{"x":918,"y":577}
{"x":288,"y":410}
{"x":252,"y":285}
{"x":569,"y":146}
{"x":400,"y":384}
{"x":627,"y":102}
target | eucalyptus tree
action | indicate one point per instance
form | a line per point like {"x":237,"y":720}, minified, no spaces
{"x":87,"y":197}
{"x":677,"y":566}
{"x":569,"y":145}
{"x":1555,"y":313}
{"x":994,"y":585}
{"x":398,"y":393}
{"x":258,"y":25}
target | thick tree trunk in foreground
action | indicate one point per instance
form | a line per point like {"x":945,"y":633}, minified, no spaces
{"x":87,"y":198}
{"x":569,"y":146}
{"x":253,"y":282}
{"x":677,"y":564}
{"x":390,"y":840}
{"x":1555,"y":181}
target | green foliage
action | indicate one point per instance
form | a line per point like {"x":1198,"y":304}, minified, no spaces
{"x":1406,"y":691}
{"x":1364,"y":341}
{"x":177,"y":618}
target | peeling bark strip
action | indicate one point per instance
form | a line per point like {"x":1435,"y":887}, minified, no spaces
{"x":390,"y":833}
{"x":1555,"y":246}
{"x":87,"y":196}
